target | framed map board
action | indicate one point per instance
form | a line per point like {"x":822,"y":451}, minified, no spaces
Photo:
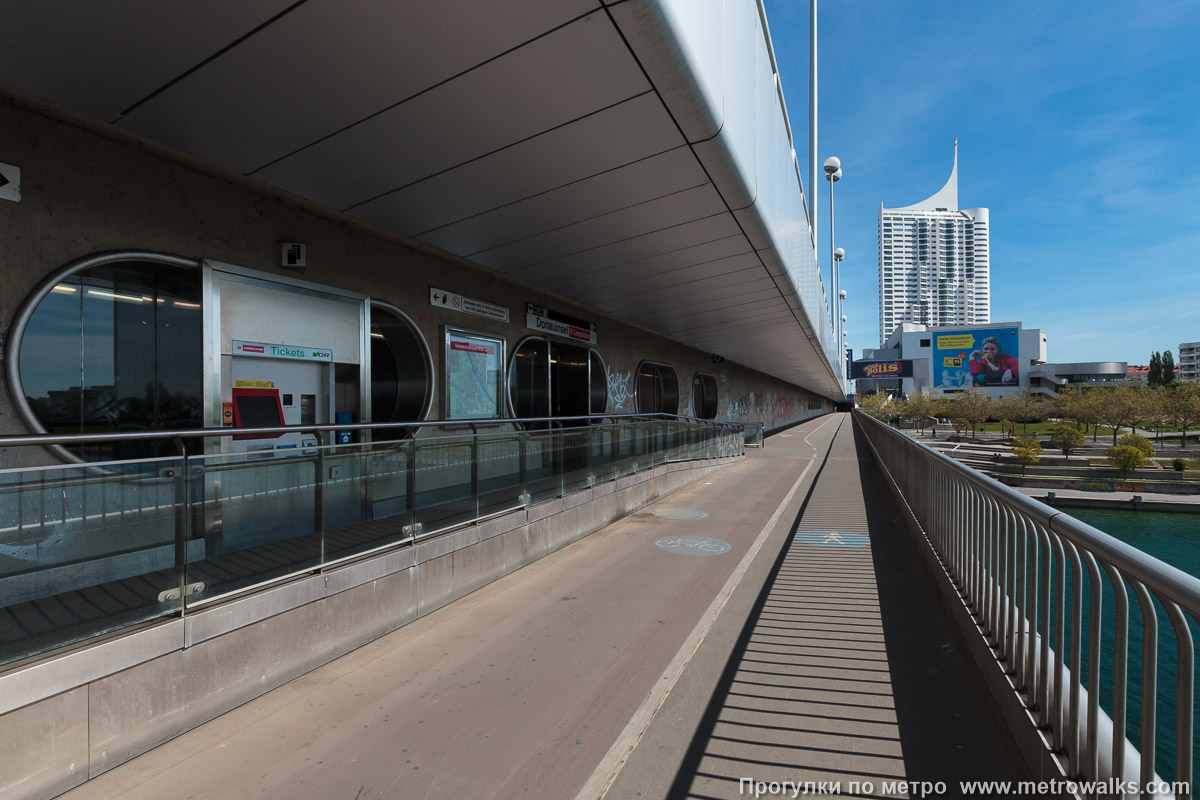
{"x":474,"y":387}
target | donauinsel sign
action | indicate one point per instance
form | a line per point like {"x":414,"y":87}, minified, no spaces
{"x":881,"y":369}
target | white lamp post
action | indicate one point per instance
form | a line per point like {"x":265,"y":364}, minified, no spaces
{"x":833,"y":174}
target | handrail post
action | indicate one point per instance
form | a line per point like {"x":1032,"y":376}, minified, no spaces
{"x":182,"y":508}
{"x":475,"y":465}
{"x":319,"y":496}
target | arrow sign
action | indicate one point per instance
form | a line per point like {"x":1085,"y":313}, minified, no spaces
{"x":10,"y":183}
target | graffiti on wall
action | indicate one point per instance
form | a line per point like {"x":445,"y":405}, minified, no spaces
{"x":619,"y":388}
{"x":771,"y":410}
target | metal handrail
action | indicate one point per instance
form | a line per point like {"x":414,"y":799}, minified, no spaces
{"x":1003,"y":550}
{"x":209,"y":498}
{"x":44,"y":439}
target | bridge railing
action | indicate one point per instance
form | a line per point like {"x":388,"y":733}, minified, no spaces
{"x":90,"y":548}
{"x":1061,"y":605}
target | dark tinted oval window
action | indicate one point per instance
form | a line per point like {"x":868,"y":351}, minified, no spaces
{"x":117,"y":348}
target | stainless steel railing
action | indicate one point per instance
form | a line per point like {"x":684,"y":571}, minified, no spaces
{"x":88,"y":548}
{"x":1012,"y":559}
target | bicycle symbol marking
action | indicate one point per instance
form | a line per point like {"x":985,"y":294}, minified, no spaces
{"x":693,"y":545}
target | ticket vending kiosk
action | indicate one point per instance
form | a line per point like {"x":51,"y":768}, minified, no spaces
{"x":279,"y":384}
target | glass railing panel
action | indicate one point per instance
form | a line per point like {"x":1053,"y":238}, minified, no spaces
{"x":364,"y":497}
{"x":85,"y":550}
{"x":444,"y":491}
{"x":256,"y":513}
{"x":500,"y":486}
{"x":543,"y":470}
{"x":575,"y":458}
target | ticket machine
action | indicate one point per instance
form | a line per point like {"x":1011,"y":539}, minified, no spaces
{"x":279,"y":384}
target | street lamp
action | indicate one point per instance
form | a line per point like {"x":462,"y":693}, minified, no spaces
{"x":838,"y":294}
{"x":833,"y":174}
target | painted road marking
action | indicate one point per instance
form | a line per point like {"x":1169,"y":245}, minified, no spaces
{"x":833,"y":538}
{"x":680,"y":513}
{"x":693,"y":545}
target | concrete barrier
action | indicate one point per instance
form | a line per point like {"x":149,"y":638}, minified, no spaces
{"x":73,"y":715}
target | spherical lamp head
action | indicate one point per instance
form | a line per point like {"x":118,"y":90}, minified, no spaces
{"x":843,"y":318}
{"x":842,"y":294}
{"x":839,"y":254}
{"x":832,"y":165}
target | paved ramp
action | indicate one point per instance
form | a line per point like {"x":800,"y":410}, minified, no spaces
{"x":669,"y":654}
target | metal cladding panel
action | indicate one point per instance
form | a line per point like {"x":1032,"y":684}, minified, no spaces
{"x":688,"y":65}
{"x":647,"y":246}
{"x":577,"y":70}
{"x":613,"y":281}
{"x":683,"y":295}
{"x":648,"y":217}
{"x":101,"y":58}
{"x":610,"y":190}
{"x":656,"y":283}
{"x":570,"y":170}
{"x":716,"y":309}
{"x":328,"y":64}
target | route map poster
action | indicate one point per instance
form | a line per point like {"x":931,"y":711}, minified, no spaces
{"x":474,"y":376}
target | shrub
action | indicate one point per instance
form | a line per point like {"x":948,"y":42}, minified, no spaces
{"x":1179,"y":464}
{"x":1127,"y":457}
{"x":1139,"y":442}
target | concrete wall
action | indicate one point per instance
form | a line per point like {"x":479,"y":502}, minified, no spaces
{"x":88,"y":189}
{"x":70,"y":717}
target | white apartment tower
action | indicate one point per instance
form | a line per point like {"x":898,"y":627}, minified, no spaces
{"x":933,"y":262}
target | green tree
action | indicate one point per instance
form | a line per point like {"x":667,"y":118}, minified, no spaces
{"x":1027,"y":450}
{"x":974,"y":406}
{"x":1066,"y":438}
{"x":1029,"y":407}
{"x":1181,"y":405}
{"x":1140,"y":442}
{"x":1122,"y":406}
{"x":878,"y":405}
{"x":1126,"y":458}
{"x":1168,"y":368}
{"x":1155,"y":376}
{"x":917,"y":407}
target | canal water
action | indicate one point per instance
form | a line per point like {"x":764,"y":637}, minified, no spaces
{"x":1174,"y":539}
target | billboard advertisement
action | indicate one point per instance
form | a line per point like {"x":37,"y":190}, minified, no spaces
{"x":981,"y":357}
{"x":881,"y":369}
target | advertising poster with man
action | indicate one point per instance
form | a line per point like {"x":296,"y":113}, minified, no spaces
{"x":981,"y":358}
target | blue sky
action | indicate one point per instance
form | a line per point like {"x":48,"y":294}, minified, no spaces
{"x":1078,"y":127}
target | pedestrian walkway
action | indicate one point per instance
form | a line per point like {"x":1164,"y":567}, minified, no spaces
{"x":699,"y":641}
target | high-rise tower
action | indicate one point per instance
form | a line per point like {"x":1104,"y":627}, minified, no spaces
{"x":933,"y":262}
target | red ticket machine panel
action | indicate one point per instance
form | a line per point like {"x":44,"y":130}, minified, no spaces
{"x":257,"y":408}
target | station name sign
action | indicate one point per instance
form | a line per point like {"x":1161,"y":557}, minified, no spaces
{"x":881,"y":369}
{"x":539,"y":319}
{"x":289,"y":351}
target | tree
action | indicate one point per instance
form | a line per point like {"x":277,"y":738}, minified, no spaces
{"x":1181,"y":405}
{"x":1027,"y":450}
{"x":1029,"y":407}
{"x":1155,"y":376}
{"x":1168,"y":368}
{"x":1067,"y":438}
{"x":917,"y":407}
{"x":1126,"y":458}
{"x":1140,"y":442}
{"x":1121,"y":406}
{"x":974,"y":406}
{"x":878,"y":405}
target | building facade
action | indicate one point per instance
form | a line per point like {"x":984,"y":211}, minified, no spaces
{"x":1187,"y":366}
{"x":934,"y":266}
